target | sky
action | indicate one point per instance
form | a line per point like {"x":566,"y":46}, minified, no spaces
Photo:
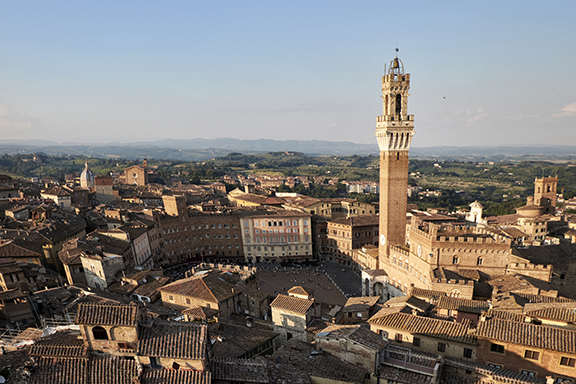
{"x":482,"y":72}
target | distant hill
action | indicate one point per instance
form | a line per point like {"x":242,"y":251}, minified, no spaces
{"x":202,"y":149}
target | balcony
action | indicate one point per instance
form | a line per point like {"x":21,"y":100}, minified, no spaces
{"x":410,"y":360}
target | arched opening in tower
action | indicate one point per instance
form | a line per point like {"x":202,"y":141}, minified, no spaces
{"x":398,"y":104}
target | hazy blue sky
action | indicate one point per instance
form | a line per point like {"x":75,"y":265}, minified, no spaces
{"x":483,"y":72}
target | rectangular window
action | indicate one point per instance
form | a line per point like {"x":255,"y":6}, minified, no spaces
{"x":567,"y":361}
{"x":532,"y":355}
{"x":416,"y":341}
{"x":187,"y":301}
{"x":468,"y":353}
{"x":498,"y":348}
{"x":399,"y":337}
{"x":441,"y":347}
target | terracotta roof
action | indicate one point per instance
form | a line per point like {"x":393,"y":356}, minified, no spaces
{"x":112,"y":370}
{"x":317,"y":325}
{"x":208,"y":286}
{"x":137,"y":275}
{"x":375,"y":272}
{"x":68,"y":371}
{"x":200,"y":312}
{"x":531,"y":298}
{"x":393,"y":309}
{"x":161,"y":376}
{"x":10,"y":269}
{"x":513,"y":232}
{"x":360,"y":334}
{"x":564,"y":312}
{"x":298,"y":356}
{"x":240,"y":370}
{"x":97,"y":243}
{"x":61,"y":229}
{"x":69,"y":255}
{"x":497,"y":375}
{"x":425,"y":326}
{"x":360,"y":303}
{"x":298,"y":290}
{"x":178,"y":340}
{"x":107,"y":314}
{"x":60,"y":344}
{"x":357,"y":220}
{"x":107,"y":369}
{"x":251,"y":198}
{"x":148,"y":289}
{"x":506,"y":315}
{"x":428,"y":293}
{"x":279,"y":372}
{"x":519,"y":283}
{"x":12,"y":294}
{"x":462,"y":305}
{"x":256,"y":294}
{"x":410,"y":301}
{"x":292,"y":304}
{"x":236,"y":340}
{"x":12,"y":250}
{"x":538,"y":336}
{"x":398,"y":375}
{"x":550,"y":254}
{"x":57,"y":191}
{"x":471,"y":274}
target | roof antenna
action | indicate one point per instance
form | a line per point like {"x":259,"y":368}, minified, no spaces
{"x":396,"y":50}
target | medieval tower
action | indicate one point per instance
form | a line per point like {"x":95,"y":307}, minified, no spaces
{"x":394,"y":131}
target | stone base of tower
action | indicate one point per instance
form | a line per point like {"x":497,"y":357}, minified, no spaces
{"x":393,"y":196}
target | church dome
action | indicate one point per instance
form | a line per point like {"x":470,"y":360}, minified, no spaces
{"x":87,"y":177}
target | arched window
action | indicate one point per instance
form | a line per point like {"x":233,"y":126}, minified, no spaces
{"x":99,"y":333}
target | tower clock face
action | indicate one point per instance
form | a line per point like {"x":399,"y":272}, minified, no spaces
{"x":382,"y":239}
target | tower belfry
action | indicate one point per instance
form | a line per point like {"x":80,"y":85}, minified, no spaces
{"x":394,"y":131}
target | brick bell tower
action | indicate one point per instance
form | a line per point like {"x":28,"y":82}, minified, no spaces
{"x":394,"y":131}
